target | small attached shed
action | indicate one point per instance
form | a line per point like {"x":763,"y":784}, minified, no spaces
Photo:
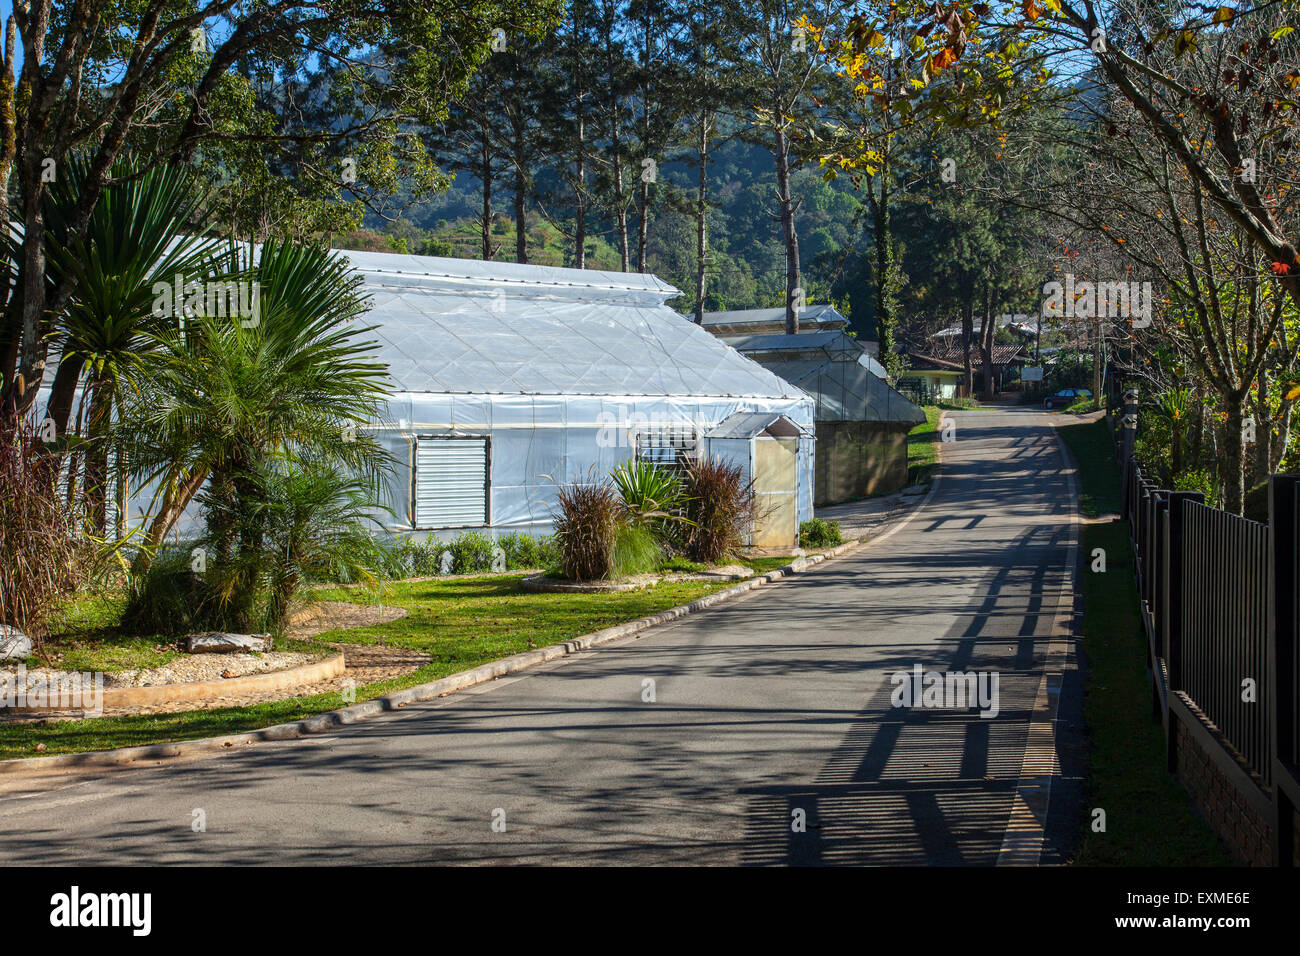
{"x":766,"y":447}
{"x":861,"y":421}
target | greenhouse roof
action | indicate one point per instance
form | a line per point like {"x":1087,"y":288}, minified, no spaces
{"x":466,"y":326}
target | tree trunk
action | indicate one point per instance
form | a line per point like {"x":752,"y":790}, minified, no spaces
{"x":580,"y":198}
{"x":883,"y":236}
{"x":1263,"y":428}
{"x":643,"y":222}
{"x":1234,"y":456}
{"x":175,"y":501}
{"x":987,"y":334}
{"x":62,"y":392}
{"x":785,"y":202}
{"x":620,"y":209}
{"x":701,"y":220}
{"x":485,"y":172}
{"x":33,"y":345}
{"x":521,"y":196}
{"x":1283,"y":436}
{"x":967,"y":335}
{"x":97,"y":433}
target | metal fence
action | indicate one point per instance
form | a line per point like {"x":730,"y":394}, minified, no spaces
{"x":1219,"y":608}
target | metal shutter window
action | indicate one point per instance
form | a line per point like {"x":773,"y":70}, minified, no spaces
{"x":451,"y":476}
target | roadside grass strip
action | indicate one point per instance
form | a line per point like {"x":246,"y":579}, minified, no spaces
{"x":1149,"y":818}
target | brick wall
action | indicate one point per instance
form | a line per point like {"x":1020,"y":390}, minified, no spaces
{"x":1245,"y":832}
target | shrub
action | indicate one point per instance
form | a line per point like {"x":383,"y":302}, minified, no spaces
{"x":317,"y":526}
{"x":636,"y":550}
{"x":721,"y":509}
{"x":415,"y":559}
{"x":168,"y":598}
{"x":590,"y":518}
{"x":44,"y":554}
{"x":819,"y":534}
{"x":654,"y":498}
{"x":471,"y":552}
{"x":530,"y":551}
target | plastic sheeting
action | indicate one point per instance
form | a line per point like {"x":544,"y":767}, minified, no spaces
{"x":559,"y":369}
{"x":846,"y":381}
{"x":538,"y":442}
{"x":754,"y":321}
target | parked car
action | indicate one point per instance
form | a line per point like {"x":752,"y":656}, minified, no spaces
{"x":1066,"y":397}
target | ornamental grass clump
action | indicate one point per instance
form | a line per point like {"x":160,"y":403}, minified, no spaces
{"x":655,"y":501}
{"x":590,"y":518}
{"x":46,"y":552}
{"x":721,"y":508}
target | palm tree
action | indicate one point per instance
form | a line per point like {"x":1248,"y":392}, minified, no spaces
{"x":224,"y":397}
{"x":142,"y":232}
{"x":318,"y":525}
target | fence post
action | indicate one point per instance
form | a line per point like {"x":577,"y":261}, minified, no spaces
{"x":1154,"y":544}
{"x":1171,"y":620}
{"x":1280,"y":658}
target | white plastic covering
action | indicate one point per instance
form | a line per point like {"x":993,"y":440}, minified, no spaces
{"x":836,"y":369}
{"x":558,"y":369}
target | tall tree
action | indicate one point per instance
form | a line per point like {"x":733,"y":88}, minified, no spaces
{"x":779,"y":69}
{"x":421,"y":56}
{"x":471,"y":142}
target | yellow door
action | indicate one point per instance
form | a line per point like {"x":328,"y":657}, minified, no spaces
{"x":775,"y":484}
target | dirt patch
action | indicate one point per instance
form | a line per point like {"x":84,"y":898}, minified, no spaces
{"x":322,"y":616}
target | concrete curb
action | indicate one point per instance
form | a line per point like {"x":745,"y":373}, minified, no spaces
{"x":332,"y":720}
{"x":202,"y":690}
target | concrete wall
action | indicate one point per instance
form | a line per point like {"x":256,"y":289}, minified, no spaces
{"x":858,"y":459}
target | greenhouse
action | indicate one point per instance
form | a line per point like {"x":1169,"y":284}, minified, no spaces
{"x":861,"y":421}
{"x":511,"y":379}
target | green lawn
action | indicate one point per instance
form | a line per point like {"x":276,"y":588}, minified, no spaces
{"x":922,"y":456}
{"x":1149,"y":819}
{"x":461,"y":623}
{"x":83,"y":637}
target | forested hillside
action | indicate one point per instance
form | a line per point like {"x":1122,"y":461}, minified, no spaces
{"x":746,"y":266}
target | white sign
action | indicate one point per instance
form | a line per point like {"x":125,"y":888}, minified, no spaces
{"x":1031,"y":374}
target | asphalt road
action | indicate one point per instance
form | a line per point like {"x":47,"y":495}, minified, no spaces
{"x":767,"y":711}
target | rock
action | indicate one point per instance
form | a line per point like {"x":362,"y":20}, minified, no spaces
{"x":14,"y":644}
{"x":217,"y":642}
